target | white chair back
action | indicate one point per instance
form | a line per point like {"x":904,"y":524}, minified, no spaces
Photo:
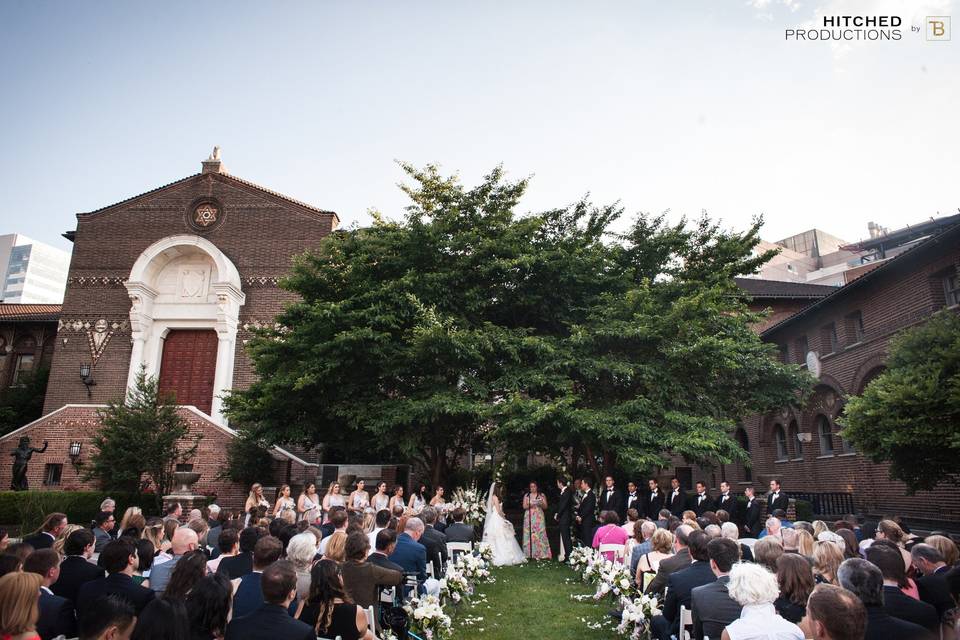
{"x":371,"y":620}
{"x":748,"y":541}
{"x":616,"y":549}
{"x":686,"y":620}
{"x":458,"y":547}
{"x":430,"y":573}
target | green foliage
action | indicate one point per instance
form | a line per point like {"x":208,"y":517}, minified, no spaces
{"x":909,"y":415}
{"x":248,"y":460}
{"x":804,"y":510}
{"x":28,"y":508}
{"x":22,"y":403}
{"x":466,"y":323}
{"x":141,"y":441}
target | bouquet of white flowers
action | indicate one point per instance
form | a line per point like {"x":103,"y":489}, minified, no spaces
{"x":636,"y":617}
{"x":485,"y":551}
{"x":473,"y":567}
{"x":614,"y":578}
{"x":428,"y":618}
{"x":580,"y":557}
{"x":595,"y":566}
{"x":454,"y":585}
{"x":471,"y":500}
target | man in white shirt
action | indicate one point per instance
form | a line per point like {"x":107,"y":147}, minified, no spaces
{"x":383,"y":519}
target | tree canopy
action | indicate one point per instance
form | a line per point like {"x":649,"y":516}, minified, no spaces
{"x":909,"y":415}
{"x":466,"y":323}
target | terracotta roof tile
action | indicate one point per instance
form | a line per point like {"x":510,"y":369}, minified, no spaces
{"x":15,"y":312}
{"x":758,"y":288}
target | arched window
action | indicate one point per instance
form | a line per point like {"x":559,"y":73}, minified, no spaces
{"x":741,"y":436}
{"x":24,"y":353}
{"x":780,"y":436}
{"x":793,"y":432}
{"x":826,"y":435}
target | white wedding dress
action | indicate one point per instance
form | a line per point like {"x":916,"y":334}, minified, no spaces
{"x":499,"y":534}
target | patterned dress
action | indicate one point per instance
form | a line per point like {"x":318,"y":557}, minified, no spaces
{"x":535,"y":543}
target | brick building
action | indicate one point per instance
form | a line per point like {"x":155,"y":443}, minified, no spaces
{"x":175,"y":280}
{"x":843,"y":337}
{"x":27,"y":335}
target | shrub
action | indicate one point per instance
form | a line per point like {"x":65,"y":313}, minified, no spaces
{"x":27,"y":509}
{"x":804,"y":510}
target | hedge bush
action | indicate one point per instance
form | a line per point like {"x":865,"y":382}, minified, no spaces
{"x":25,"y":510}
{"x":804,"y":510}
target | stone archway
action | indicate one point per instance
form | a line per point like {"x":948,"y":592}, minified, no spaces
{"x":184,"y":282}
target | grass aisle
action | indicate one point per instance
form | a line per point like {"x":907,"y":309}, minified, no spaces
{"x":533,"y":601}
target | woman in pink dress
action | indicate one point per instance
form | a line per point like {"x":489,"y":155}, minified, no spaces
{"x":535,"y":543}
{"x":610,"y":533}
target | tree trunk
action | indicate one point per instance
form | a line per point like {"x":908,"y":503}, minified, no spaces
{"x":592,"y":461}
{"x":438,"y":466}
{"x":609,"y":462}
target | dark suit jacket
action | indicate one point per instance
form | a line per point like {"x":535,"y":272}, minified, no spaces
{"x":39,"y":540}
{"x":75,"y":571}
{"x":713,"y":608}
{"x":101,"y":539}
{"x":698,"y":506}
{"x":269,"y":622}
{"x":249,"y":596}
{"x":676,"y":562}
{"x":436,"y":544}
{"x":883,"y":626}
{"x":383,"y":561}
{"x":751,"y":518}
{"x":935,"y":590}
{"x":411,"y":555}
{"x":730,"y":505}
{"x":460,"y":532}
{"x":565,"y":506}
{"x":677,"y":503}
{"x":653,"y":504}
{"x":680,"y":590}
{"x":237,"y":566}
{"x":116,"y":584}
{"x":782,"y":502}
{"x":900,"y":605}
{"x":587,"y":512}
{"x":615,"y":502}
{"x":56,"y":617}
{"x":634,"y":501}
{"x":362,"y":579}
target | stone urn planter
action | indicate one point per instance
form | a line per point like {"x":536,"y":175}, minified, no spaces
{"x":185,"y":481}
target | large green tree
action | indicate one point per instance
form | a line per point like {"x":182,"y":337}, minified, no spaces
{"x":909,"y":415}
{"x":22,"y":403}
{"x":465,"y":322}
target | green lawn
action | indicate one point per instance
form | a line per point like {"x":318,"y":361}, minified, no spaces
{"x":533,"y":601}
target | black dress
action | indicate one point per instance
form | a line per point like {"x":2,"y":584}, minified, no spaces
{"x":789,"y":610}
{"x":343,"y":623}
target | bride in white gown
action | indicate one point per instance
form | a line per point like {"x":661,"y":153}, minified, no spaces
{"x":499,"y":533}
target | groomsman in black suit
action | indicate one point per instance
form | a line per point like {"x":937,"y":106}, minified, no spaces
{"x":634,"y":499}
{"x":751,"y":515}
{"x":776,"y":499}
{"x":612,"y":499}
{"x":726,"y":501}
{"x":654,"y":500}
{"x":587,"y":513}
{"x":702,"y":501}
{"x":564,"y":517}
{"x":676,"y":499}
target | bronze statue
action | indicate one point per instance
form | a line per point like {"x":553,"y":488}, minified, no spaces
{"x":21,"y":456}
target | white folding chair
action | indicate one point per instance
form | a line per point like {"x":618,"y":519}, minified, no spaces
{"x":430,"y":573}
{"x":686,"y":620}
{"x":371,"y":620}
{"x":748,"y":541}
{"x":616,"y":549}
{"x":388,"y":596}
{"x":453,"y":548}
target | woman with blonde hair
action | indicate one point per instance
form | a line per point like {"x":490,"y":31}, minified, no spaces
{"x":890,"y":530}
{"x":332,"y":499}
{"x":819,"y":526}
{"x":284,"y":504}
{"x":20,"y":605}
{"x":827,"y":557}
{"x":129,"y":513}
{"x":254,"y":499}
{"x":661,"y":546}
{"x":337,"y":547}
{"x":62,"y":538}
{"x":946,"y":547}
{"x":804,"y":543}
{"x":369,"y":521}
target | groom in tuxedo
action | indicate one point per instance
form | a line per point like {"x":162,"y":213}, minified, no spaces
{"x":612,"y":499}
{"x":587,"y":513}
{"x":564,"y":517}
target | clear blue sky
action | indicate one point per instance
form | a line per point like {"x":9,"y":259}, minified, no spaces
{"x":681,"y":106}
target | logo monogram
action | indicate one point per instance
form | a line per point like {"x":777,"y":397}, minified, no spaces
{"x":938,"y":28}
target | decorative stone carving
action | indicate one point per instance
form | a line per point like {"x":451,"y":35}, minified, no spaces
{"x":21,"y":456}
{"x":98,"y":337}
{"x":96,"y":281}
{"x":83,"y":326}
{"x":261,"y":281}
{"x":193,"y":283}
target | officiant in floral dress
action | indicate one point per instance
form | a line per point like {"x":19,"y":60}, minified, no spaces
{"x":535,"y":543}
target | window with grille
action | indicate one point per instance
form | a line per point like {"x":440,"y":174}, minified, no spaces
{"x":951,"y":288}
{"x":781,"y":439}
{"x":826,"y":436}
{"x":52,"y":474}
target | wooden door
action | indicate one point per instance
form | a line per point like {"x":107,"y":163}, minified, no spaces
{"x":188,"y":366}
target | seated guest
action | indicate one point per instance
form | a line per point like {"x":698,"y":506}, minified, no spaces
{"x":642,"y":535}
{"x":458,"y":531}
{"x":52,"y":525}
{"x":76,"y":568}
{"x":755,"y":589}
{"x":648,"y":565}
{"x":609,"y":533}
{"x":896,"y":602}
{"x":772,"y":528}
{"x":339,"y":520}
{"x":633,"y":517}
{"x":301,"y":552}
{"x":932,"y":584}
{"x":851,"y":546}
{"x":680,"y":586}
{"x":795,"y":578}
{"x":242,"y":563}
{"x":713,"y":608}
{"x":109,"y":618}
{"x":228,"y":541}
{"x":249,"y":594}
{"x":865,"y":581}
{"x":767,"y":551}
{"x":947,"y":548}
{"x":827,"y":557}
{"x":833,"y":613}
{"x":679,"y":560}
{"x":890,"y":530}
{"x":105,"y":522}
{"x":191,"y":568}
{"x":386,"y":543}
{"x":208,"y":607}
{"x":361,"y":579}
{"x":411,"y":555}
{"x":804,"y":543}
{"x":120,"y":560}
{"x":789,"y":537}
{"x":162,"y":619}
{"x":145,"y":551}
{"x":380,"y":522}
{"x":19,"y":609}
{"x":328,"y":610}
{"x":336,"y":546}
{"x":434,"y":541}
{"x":184,"y":540}
{"x":731,"y":531}
{"x":663,"y":518}
{"x":334,"y":523}
{"x":56,"y":613}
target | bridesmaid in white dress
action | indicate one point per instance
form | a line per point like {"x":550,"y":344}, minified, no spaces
{"x":380,"y":500}
{"x":332,"y":499}
{"x":308,"y":504}
{"x":285,"y":507}
{"x":359,"y":499}
{"x":419,"y":499}
{"x":397,"y":498}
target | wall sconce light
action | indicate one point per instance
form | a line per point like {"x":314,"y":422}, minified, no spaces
{"x":75,"y":452}
{"x":87,"y":379}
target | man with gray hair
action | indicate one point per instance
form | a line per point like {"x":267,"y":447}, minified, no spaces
{"x":731,"y":531}
{"x":772,"y":528}
{"x":865,"y":581}
{"x":712,"y":530}
{"x":679,"y":560}
{"x":932,"y":585}
{"x":647,"y":528}
{"x":434,"y":541}
{"x":412,"y":556}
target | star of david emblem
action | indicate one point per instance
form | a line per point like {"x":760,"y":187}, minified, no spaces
{"x":205,"y":215}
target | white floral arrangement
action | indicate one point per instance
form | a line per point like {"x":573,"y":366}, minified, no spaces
{"x":455,"y":585}
{"x":580,"y":557}
{"x":473,"y":501}
{"x":473,"y":567}
{"x":485,"y":551}
{"x":428,"y":618}
{"x":614,"y":578}
{"x":596,"y":564}
{"x":636,"y":616}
